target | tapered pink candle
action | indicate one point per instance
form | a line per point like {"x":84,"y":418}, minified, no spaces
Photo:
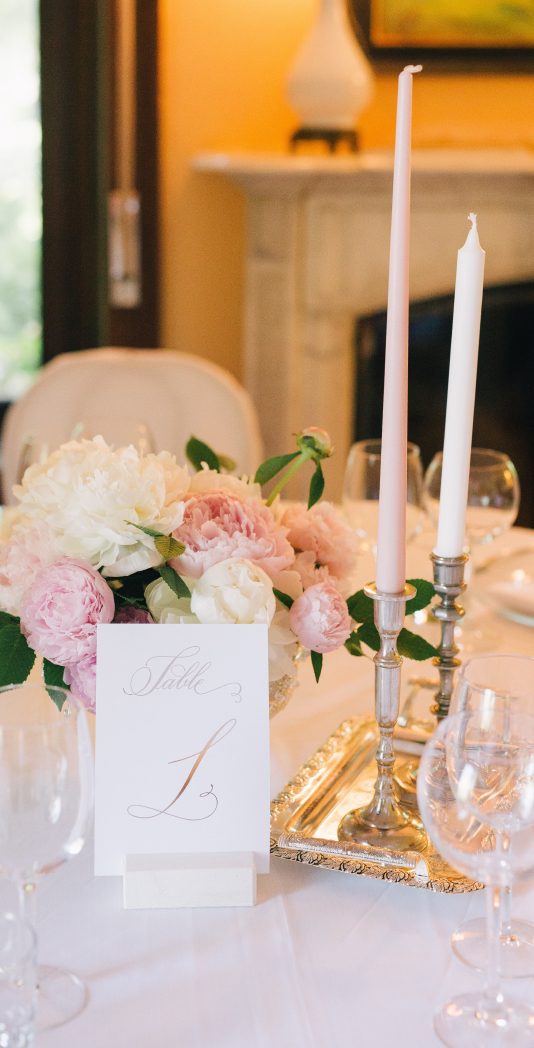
{"x":391,"y":546}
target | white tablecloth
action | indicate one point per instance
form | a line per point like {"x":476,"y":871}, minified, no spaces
{"x":324,"y":960}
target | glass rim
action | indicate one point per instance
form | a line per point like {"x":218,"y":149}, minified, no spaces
{"x":504,"y":657}
{"x":461,"y":717}
{"x":500,"y":458}
{"x":29,"y":724}
{"x":376,"y":442}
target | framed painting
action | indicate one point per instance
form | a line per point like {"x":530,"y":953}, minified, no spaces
{"x":479,"y":31}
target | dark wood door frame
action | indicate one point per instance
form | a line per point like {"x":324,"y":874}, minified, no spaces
{"x":140,"y":326}
{"x":77,"y":168}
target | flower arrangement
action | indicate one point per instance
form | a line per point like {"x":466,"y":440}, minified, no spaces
{"x":109,"y":535}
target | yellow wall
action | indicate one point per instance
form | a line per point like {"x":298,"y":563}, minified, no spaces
{"x":223,"y":65}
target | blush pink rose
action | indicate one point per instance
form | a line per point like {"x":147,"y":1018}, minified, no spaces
{"x":60,"y":611}
{"x":326,"y":539}
{"x":218,"y":526}
{"x":81,"y":679}
{"x":131,"y":614}
{"x":320,"y":618}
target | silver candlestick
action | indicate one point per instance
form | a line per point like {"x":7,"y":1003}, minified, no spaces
{"x":448,"y":584}
{"x":384,"y":822}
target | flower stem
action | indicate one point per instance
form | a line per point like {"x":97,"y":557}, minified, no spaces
{"x":290,"y":472}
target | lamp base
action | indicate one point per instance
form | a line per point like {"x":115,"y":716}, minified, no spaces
{"x":332,"y":137}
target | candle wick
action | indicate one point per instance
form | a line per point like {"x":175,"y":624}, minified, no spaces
{"x":412,"y":69}
{"x":473,"y":219}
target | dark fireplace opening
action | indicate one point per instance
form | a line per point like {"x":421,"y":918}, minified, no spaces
{"x":504,"y":406}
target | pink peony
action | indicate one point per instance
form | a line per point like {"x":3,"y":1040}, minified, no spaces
{"x":320,"y":618}
{"x":30,"y":548}
{"x":81,"y":678}
{"x":310,"y":572}
{"x":218,"y":526}
{"x":130,"y":614}
{"x":60,"y":611}
{"x":324,"y":539}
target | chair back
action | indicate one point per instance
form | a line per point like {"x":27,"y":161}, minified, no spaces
{"x":151,"y":397}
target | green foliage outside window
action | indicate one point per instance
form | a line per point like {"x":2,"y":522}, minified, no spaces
{"x":20,"y":196}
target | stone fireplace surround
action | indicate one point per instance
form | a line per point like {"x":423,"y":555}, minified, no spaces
{"x":317,"y":259}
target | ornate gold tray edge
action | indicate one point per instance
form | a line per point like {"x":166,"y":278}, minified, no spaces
{"x":314,"y":781}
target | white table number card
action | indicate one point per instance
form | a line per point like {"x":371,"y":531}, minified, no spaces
{"x":182,"y":747}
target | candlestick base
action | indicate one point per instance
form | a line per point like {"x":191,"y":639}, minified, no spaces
{"x":406,"y":833}
{"x":384,"y":822}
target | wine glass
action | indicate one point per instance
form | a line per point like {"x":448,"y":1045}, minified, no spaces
{"x":46,"y":799}
{"x":32,"y":451}
{"x":118,"y":429}
{"x":493,"y":494}
{"x":361,"y":490}
{"x":489,"y":682}
{"x":493,"y":499}
{"x":475,"y":791}
{"x":17,"y":982}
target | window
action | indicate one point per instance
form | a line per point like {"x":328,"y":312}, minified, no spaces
{"x":20,"y":196}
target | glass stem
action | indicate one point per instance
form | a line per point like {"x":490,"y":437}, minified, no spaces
{"x":492,"y":988}
{"x":506,"y":913}
{"x":27,"y":891}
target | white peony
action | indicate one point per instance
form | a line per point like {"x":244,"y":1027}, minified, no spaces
{"x":92,"y":496}
{"x":165,"y":606}
{"x":234,"y":591}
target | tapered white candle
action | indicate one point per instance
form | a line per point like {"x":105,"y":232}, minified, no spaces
{"x":391,"y":544}
{"x":461,"y":395}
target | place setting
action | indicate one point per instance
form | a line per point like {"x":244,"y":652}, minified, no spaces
{"x":176,"y":623}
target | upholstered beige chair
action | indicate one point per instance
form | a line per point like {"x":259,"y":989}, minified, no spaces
{"x":165,"y":395}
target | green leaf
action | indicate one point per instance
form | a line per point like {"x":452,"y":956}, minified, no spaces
{"x":54,"y":678}
{"x":368,"y":634}
{"x":8,"y":620}
{"x":353,"y":645}
{"x":147,"y":531}
{"x":425,"y":592}
{"x":308,"y":440}
{"x":316,"y":486}
{"x":198,"y":452}
{"x":227,"y":463}
{"x":169,"y":547}
{"x":412,"y":646}
{"x":272,"y":466}
{"x":166,"y":545}
{"x":131,"y":602}
{"x":284,"y":598}
{"x":317,"y":663}
{"x":361,"y":607}
{"x":16,"y":656}
{"x":174,"y":581}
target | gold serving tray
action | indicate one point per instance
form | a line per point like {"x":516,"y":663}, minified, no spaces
{"x":340,"y":776}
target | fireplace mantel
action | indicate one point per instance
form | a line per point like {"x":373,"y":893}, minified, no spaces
{"x":317,"y":259}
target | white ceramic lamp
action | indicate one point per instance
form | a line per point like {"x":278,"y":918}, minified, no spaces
{"x":331,"y":81}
